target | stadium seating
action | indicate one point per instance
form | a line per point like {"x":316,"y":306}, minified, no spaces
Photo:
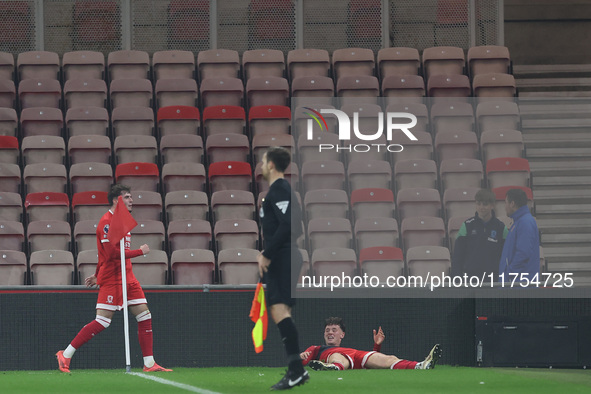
{"x":192,"y":267}
{"x":329,"y":232}
{"x":236,"y":233}
{"x":173,"y":64}
{"x":415,"y":173}
{"x":352,"y":62}
{"x":8,"y":122}
{"x":488,"y":59}
{"x":7,"y":93}
{"x":238,"y":266}
{"x":52,"y":267}
{"x":85,"y":235}
{"x":11,"y":207}
{"x":398,"y":61}
{"x":87,"y":121}
{"x":12,"y":236}
{"x":43,"y":149}
{"x":369,"y":174}
{"x":333,"y":261}
{"x":372,"y":203}
{"x":47,"y":206}
{"x":90,"y":177}
{"x":89,"y":205}
{"x":371,"y":232}
{"x":9,"y":150}
{"x":89,"y":149}
{"x":128,"y":64}
{"x":218,"y":63}
{"x":461,"y":173}
{"x":38,"y":92}
{"x":38,"y":65}
{"x":181,"y":148}
{"x":85,"y":93}
{"x":424,"y":260}
{"x":308,"y":63}
{"x":41,"y":121}
{"x":381,"y":261}
{"x":151,"y":268}
{"x":48,"y":235}
{"x":186,"y":204}
{"x":263,"y":63}
{"x":6,"y":66}
{"x":178,"y":119}
{"x":83,"y":65}
{"x":147,"y":205}
{"x":224,"y":119}
{"x":13,"y":268}
{"x":189,"y":234}
{"x":232,"y":204}
{"x":326,"y":203}
{"x":422,"y":231}
{"x":178,"y":176}
{"x":178,"y":91}
{"x":269,"y":119}
{"x":130,"y":93}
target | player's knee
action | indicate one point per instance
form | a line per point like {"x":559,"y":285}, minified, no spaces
{"x":143,"y":316}
{"x":103,"y":321}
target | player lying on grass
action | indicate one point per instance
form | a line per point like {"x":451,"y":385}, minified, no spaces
{"x":333,"y":357}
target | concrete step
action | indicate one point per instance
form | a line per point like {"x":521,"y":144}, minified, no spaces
{"x":551,"y":70}
{"x":561,"y":254}
{"x":558,"y":168}
{"x":564,"y":139}
{"x":562,"y":195}
{"x":566,"y":240}
{"x":566,"y":94}
{"x":542,"y":209}
{"x":557,"y":152}
{"x":561,"y":181}
{"x":563,"y":225}
{"x":553,"y":84}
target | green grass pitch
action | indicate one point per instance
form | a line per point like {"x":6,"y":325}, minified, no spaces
{"x":443,"y":379}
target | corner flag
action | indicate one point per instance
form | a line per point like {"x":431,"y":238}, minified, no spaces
{"x":121,"y":223}
{"x":258,"y":314}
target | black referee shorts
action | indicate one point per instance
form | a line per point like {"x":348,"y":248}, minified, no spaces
{"x":282,"y":277}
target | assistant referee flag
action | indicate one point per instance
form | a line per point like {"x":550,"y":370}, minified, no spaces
{"x":121,"y":223}
{"x":258,"y":314}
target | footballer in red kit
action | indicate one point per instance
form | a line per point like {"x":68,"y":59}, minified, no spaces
{"x":333,"y":357}
{"x":110,"y":297}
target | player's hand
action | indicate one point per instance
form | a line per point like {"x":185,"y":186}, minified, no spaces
{"x":378,"y":337}
{"x":263,"y":264}
{"x":90,"y":281}
{"x":304,"y":355}
{"x":145,"y":249}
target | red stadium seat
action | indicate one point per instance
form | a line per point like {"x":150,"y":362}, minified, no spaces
{"x":501,"y":194}
{"x":9,"y":150}
{"x":507,"y":171}
{"x":230,"y":175}
{"x":381,"y":261}
{"x":138,"y":176}
{"x":178,"y":119}
{"x":372,"y":203}
{"x":47,"y":206}
{"x":90,"y":205}
{"x":220,"y":119}
{"x":269,"y":119}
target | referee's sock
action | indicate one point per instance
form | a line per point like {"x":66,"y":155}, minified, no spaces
{"x":289,"y":336}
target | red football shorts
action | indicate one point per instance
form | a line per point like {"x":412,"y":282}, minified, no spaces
{"x":110,"y":297}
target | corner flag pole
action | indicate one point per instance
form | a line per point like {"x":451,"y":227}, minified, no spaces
{"x":125,"y":312}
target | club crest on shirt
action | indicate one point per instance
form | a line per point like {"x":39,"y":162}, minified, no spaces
{"x":106,"y":229}
{"x":282,"y":205}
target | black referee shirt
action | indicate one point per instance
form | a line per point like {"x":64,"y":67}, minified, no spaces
{"x":278,"y":210}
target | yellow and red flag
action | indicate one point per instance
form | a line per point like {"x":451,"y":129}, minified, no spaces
{"x":258,"y":314}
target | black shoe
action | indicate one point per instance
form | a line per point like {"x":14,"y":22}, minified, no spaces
{"x":290,"y":380}
{"x":317,"y":365}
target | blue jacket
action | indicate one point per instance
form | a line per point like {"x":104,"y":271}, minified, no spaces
{"x":521,"y":252}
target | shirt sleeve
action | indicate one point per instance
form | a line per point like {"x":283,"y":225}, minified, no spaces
{"x":376,"y":347}
{"x":313,"y":354}
{"x":282,"y":236}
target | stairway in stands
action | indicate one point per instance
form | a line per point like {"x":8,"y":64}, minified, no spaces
{"x":555,"y":106}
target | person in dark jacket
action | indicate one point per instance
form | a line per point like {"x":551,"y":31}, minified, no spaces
{"x":479,"y":243}
{"x":521,"y":252}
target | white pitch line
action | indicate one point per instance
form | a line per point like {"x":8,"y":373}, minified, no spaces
{"x":173,"y":383}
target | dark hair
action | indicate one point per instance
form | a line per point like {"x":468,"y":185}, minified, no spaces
{"x":117,"y":190}
{"x":279,"y":156}
{"x":335,"y":321}
{"x":518,"y":196}
{"x":485,"y":195}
